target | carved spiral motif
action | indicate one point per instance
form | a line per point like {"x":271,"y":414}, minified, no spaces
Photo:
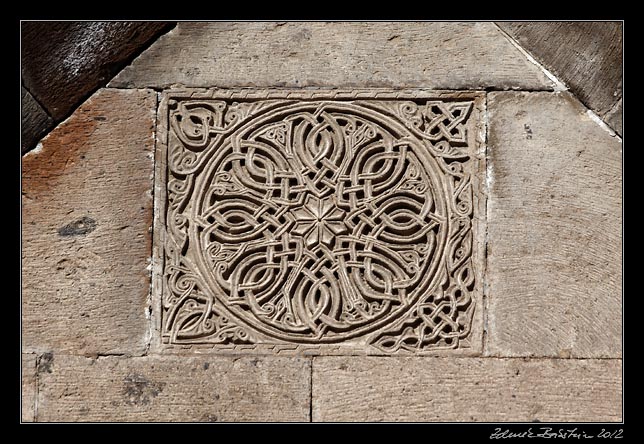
{"x":315,"y":222}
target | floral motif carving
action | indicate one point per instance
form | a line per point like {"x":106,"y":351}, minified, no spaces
{"x":319,"y":221}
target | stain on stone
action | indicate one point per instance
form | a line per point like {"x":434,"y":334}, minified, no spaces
{"x":528,"y":131}
{"x":42,"y":172}
{"x":206,"y":365}
{"x":304,"y":34}
{"x":193,"y":72}
{"x":138,"y":390}
{"x":566,"y":353}
{"x":45,"y":362}
{"x":254,"y":362}
{"x":84,"y":410}
{"x":79,"y":227}
{"x":209,"y":418}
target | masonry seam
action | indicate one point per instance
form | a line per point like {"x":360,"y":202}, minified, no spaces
{"x":56,"y":123}
{"x":149,"y":302}
{"x":558,"y":84}
{"x":613,"y":107}
{"x":476,"y":88}
{"x":37,"y":390}
{"x":488,"y":178}
{"x":37,"y":101}
{"x":311,"y":390}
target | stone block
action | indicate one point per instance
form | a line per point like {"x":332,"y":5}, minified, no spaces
{"x":175,"y":389}
{"x":586,"y":56}
{"x":425,"y":389}
{"x":437,"y":55}
{"x":320,"y":222}
{"x":554,"y":229}
{"x":63,"y":62}
{"x":86,"y":229}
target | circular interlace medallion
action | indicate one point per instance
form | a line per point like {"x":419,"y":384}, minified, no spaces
{"x":317,"y":221}
{"x":320,"y":221}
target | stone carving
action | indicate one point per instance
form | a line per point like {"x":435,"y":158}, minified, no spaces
{"x":317,"y":222}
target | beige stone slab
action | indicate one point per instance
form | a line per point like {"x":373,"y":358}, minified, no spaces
{"x":28,"y":393}
{"x":169,"y":389}
{"x":439,"y":55}
{"x":430,"y":309}
{"x":554,"y":229}
{"x":86,"y":221}
{"x":465,"y":389}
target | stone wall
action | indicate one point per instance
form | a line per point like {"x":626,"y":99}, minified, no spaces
{"x":548,"y":270}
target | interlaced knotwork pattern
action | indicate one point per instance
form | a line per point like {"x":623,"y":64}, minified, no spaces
{"x":318,"y":222}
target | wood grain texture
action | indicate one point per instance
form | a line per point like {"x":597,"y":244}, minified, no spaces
{"x":86,"y":221}
{"x":587,"y":56}
{"x":465,"y":389}
{"x":554,"y":229}
{"x":28,"y":392}
{"x":35,"y":121}
{"x":175,"y":388}
{"x":63,"y":62}
{"x":439,"y":55}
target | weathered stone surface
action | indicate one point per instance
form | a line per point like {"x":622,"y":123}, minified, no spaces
{"x":34,"y":121}
{"x":330,"y":221}
{"x":554,"y":229}
{"x":28,"y":392}
{"x":175,"y":388}
{"x":466,"y":389}
{"x":86,"y":221}
{"x":63,"y":62}
{"x":614,"y":117}
{"x":445,"y":55}
{"x":587,"y":56}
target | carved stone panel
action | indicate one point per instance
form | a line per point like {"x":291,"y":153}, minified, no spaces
{"x":326,"y":221}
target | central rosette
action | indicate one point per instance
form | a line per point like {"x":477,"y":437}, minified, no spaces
{"x":318,"y":221}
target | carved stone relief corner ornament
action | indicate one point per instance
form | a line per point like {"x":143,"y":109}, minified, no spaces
{"x":339,"y":220}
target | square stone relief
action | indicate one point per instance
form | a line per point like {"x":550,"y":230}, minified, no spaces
{"x":319,"y":221}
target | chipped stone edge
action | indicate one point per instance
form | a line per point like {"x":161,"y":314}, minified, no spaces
{"x":36,"y":150}
{"x":560,"y":86}
{"x":488,"y":183}
{"x":557,"y":84}
{"x":479,"y":228}
{"x":149,"y":303}
{"x":158,"y":223}
{"x":603,"y":125}
{"x":589,"y":113}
